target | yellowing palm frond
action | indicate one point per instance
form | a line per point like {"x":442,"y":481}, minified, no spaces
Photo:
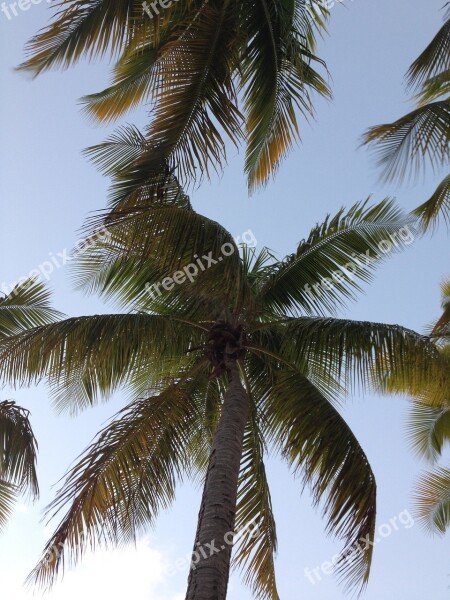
{"x":360,"y":352}
{"x":277,"y":77}
{"x":186,"y":62}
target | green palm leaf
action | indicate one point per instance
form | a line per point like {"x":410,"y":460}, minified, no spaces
{"x":145,"y":247}
{"x":434,"y":59}
{"x":360,"y":352}
{"x":429,"y":429}
{"x":133,"y":83}
{"x":124,"y":478}
{"x":95,"y":355}
{"x":83,"y":28}
{"x":18,"y":448}
{"x":7,"y":498}
{"x":437,"y":207}
{"x":340,"y":251}
{"x":195,"y":97}
{"x":429,"y":424}
{"x":276,"y":76}
{"x":434,"y":88}
{"x":433,"y":500}
{"x":422,"y":136}
{"x":423,"y":133}
{"x":26,"y":306}
{"x":319,"y":445}
{"x":133,"y":189}
{"x":255,"y":523}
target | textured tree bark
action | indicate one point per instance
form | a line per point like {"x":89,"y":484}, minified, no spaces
{"x":208,"y":577}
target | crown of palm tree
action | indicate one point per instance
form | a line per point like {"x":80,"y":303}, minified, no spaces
{"x":25,"y":307}
{"x":196,"y":63}
{"x":423,"y":135}
{"x":170,"y":351}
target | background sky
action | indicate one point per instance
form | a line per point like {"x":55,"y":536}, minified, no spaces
{"x":47,"y":190}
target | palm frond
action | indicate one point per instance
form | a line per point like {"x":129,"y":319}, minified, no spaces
{"x":434,"y":88}
{"x":277,"y":77}
{"x":137,"y":73}
{"x":434,"y":59}
{"x":345,"y":248}
{"x":363,"y":353}
{"x":433,"y":500}
{"x":146,"y":247}
{"x":195,"y":99}
{"x":256,"y":543}
{"x":83,"y":28}
{"x":428,"y":384}
{"x":123,"y":480}
{"x":122,"y":148}
{"x":428,"y":429}
{"x":402,"y":146}
{"x":18,"y":450}
{"x":7,"y":498}
{"x":437,"y":207}
{"x":318,"y":444}
{"x":441,"y":328}
{"x":95,"y":355}
{"x":134,"y":77}
{"x":275,"y":346}
{"x":208,"y":393}
{"x":133,"y":83}
{"x":26,"y":306}
{"x":120,"y":156}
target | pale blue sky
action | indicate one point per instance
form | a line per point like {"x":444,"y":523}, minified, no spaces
{"x":47,"y":189}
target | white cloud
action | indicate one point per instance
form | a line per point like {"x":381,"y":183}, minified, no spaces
{"x":131,"y":572}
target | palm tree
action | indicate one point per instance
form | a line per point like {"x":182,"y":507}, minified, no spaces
{"x":26,"y":306}
{"x":423,"y":135}
{"x":429,"y":428}
{"x":195,"y":64}
{"x":240,"y":357}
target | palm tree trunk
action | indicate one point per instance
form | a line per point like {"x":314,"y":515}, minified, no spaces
{"x":208,"y":576}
